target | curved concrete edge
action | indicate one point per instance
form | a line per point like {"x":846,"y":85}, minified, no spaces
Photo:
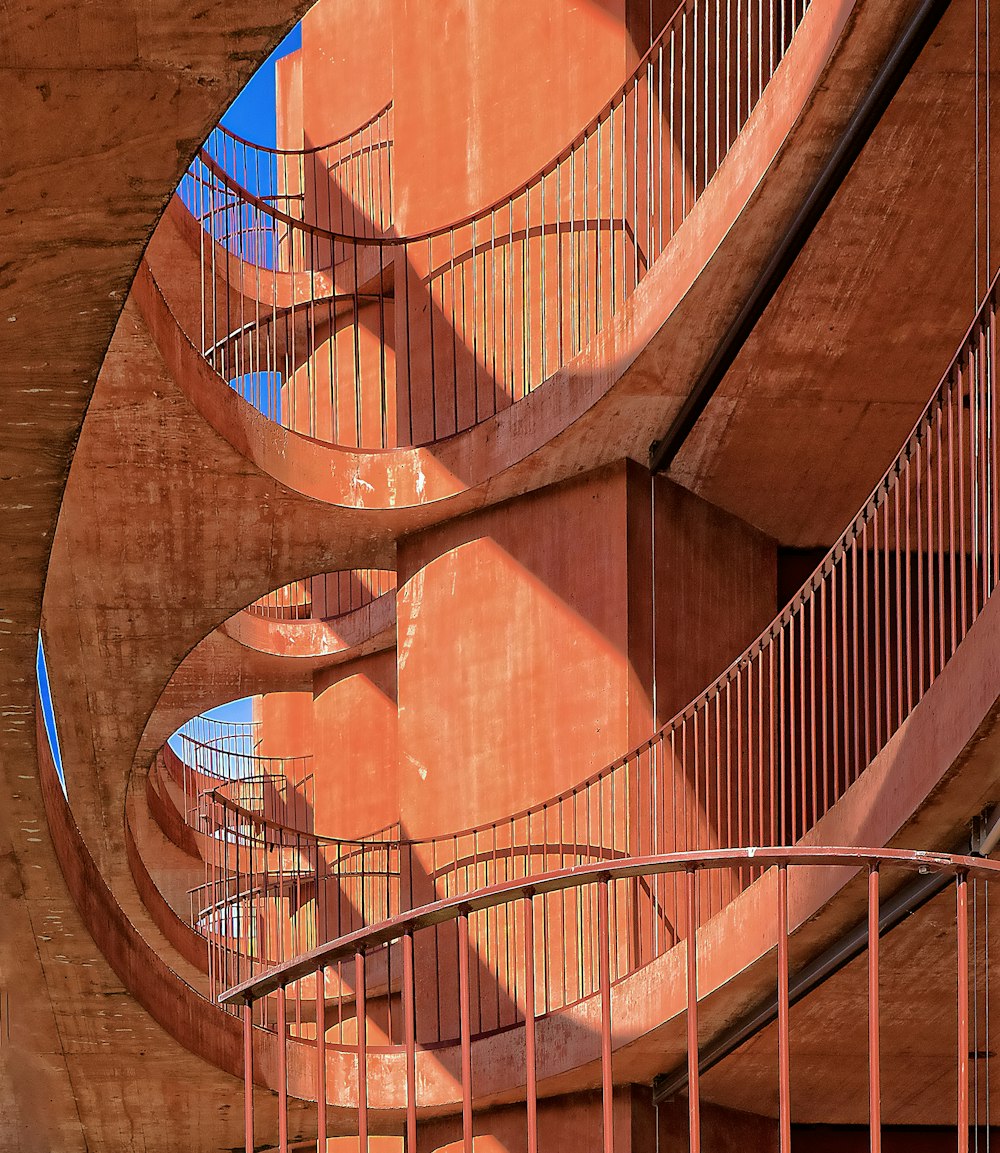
{"x":944,"y":754}
{"x":191,"y":945}
{"x":175,"y":251}
{"x":937,"y":772}
{"x":169,"y":1000}
{"x":201,"y":1027}
{"x":942,"y":762}
{"x":725,"y":218}
{"x":365,"y":630}
{"x":167,"y":816}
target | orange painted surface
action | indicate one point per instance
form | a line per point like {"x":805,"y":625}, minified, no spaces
{"x":341,"y":39}
{"x":513,"y":653}
{"x":355,"y":725}
{"x":286,"y":728}
{"x":527,"y":643}
{"x":716,"y":592}
{"x":475,"y":114}
{"x":288,"y":101}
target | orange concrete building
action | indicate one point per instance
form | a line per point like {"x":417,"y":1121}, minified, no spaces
{"x":576,"y":442}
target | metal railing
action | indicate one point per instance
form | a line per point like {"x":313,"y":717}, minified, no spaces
{"x":367,"y":340}
{"x":274,"y":888}
{"x":344,"y":187}
{"x":205,"y":754}
{"x":324,"y":597}
{"x":769,"y":748}
{"x":774,"y":742}
{"x":444,"y":972}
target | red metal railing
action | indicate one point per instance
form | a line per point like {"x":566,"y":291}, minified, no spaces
{"x":767,"y":749}
{"x":344,"y":187}
{"x":366,"y":340}
{"x":402,"y":972}
{"x":275,"y":889}
{"x":324,"y":597}
{"x":206,"y":753}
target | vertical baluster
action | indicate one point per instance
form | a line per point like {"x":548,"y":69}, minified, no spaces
{"x":465,"y":1029}
{"x":282,"y":1027}
{"x":784,"y":1086}
{"x":604,"y":978}
{"x":531,"y":1091}
{"x":962,"y":932}
{"x":248,"y":1076}
{"x":410,"y":1041}
{"x":694,"y":1097}
{"x":361,"y":1020}
{"x":321,"y":1144}
{"x":874,"y":1064}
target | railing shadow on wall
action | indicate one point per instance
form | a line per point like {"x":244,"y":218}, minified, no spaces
{"x":372,"y":341}
{"x":423,"y":1062}
{"x":764,"y":753}
{"x":326,"y":596}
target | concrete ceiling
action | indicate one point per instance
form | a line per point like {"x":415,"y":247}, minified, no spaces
{"x":837,"y":371}
{"x":104,"y":104}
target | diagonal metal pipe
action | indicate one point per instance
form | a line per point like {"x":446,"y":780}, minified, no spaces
{"x":859,"y":129}
{"x":853,"y":943}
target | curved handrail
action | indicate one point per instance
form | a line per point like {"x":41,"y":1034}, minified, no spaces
{"x":442,"y":995}
{"x":222,"y":131}
{"x":469,"y":318}
{"x":351,"y":589}
{"x":875,"y":525}
{"x":253,"y":857}
{"x":364,"y":940}
{"x":260,"y":174}
{"x":762,"y":754}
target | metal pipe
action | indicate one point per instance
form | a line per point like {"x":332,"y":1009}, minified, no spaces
{"x":857,"y":133}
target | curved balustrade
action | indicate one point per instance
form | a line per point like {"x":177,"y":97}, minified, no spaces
{"x":371,"y":341}
{"x":774,"y":742}
{"x":344,"y":187}
{"x":573,"y":919}
{"x":206,"y":754}
{"x":767,"y":749}
{"x":274,"y":888}
{"x":325,"y":597}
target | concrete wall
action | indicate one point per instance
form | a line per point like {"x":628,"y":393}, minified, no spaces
{"x":475,"y":114}
{"x":716,"y":591}
{"x":514,"y":645}
{"x":354,"y":710}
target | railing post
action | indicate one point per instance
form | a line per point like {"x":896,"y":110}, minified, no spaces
{"x":694,"y":1102}
{"x":962,"y":932}
{"x":531,"y":1090}
{"x":361,"y":1020}
{"x":604,"y":976}
{"x":410,"y":1036}
{"x":465,"y":1029}
{"x":874,"y":1065}
{"x":321,"y":1059}
{"x":248,"y":1075}
{"x":784,"y":1085}
{"x":282,"y":1072}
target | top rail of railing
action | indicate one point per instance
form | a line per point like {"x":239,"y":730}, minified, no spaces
{"x":784,"y":22}
{"x":450,"y":909}
{"x":438,"y":329}
{"x":764,"y":751}
{"x":222,"y":132}
{"x":446,"y":990}
{"x":326,"y":596}
{"x":978,"y":342}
